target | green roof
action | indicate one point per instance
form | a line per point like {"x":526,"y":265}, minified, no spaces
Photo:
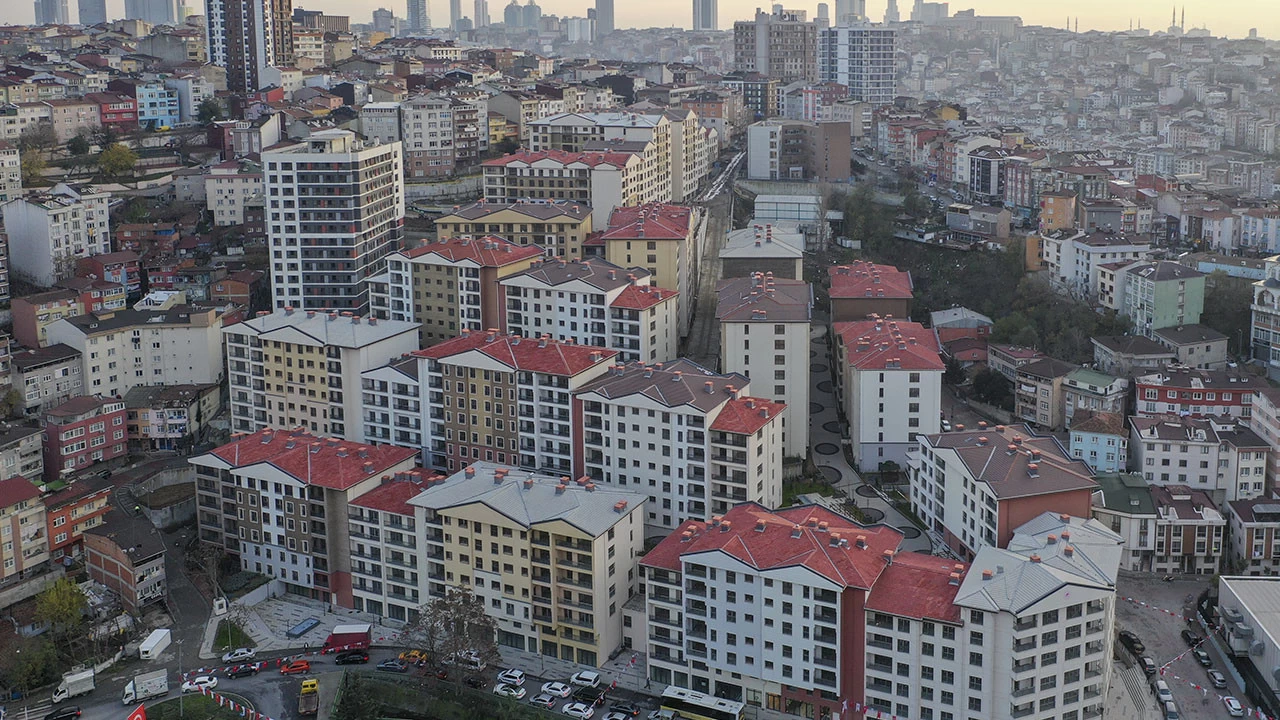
{"x":1085,"y":376}
{"x":1126,"y":493}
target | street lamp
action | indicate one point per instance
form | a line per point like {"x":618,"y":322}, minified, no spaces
{"x":181,"y":694}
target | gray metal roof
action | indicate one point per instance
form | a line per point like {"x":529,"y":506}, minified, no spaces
{"x":531,"y":499}
{"x":325,"y":328}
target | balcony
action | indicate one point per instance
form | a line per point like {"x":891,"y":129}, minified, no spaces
{"x":880,"y":667}
{"x":1093,"y":648}
{"x":1024,"y":665}
{"x":1020,"y":711}
{"x":665,"y":620}
{"x":1024,"y":645}
{"x":1023,"y":690}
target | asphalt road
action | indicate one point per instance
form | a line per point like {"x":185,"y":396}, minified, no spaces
{"x":703,"y":343}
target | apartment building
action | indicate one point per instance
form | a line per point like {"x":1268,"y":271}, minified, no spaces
{"x":1038,"y":396}
{"x":552,"y":561}
{"x":1253,"y":528}
{"x":1265,"y":422}
{"x":228,"y":189}
{"x":127,"y":554}
{"x":49,"y":231}
{"x":861,"y":288}
{"x":427,"y":132}
{"x":880,"y":363}
{"x":74,"y":509}
{"x":506,"y":399}
{"x":1073,"y":258}
{"x":170,"y":417}
{"x":450,"y":285}
{"x":34,"y":314}
{"x":1163,"y":294}
{"x":301,"y":369}
{"x":1087,"y":390}
{"x":125,"y":349}
{"x":280,"y":502}
{"x":1101,"y":439}
{"x":46,"y":376}
{"x":861,"y":57}
{"x":21,"y":451}
{"x":22,"y":517}
{"x":664,"y":239}
{"x":694,"y":441}
{"x":781,"y":45}
{"x":324,"y":252}
{"x":10,"y":172}
{"x":594,"y":302}
{"x":557,"y":227}
{"x":975,"y":486}
{"x":780,"y":149}
{"x":1197,"y":393}
{"x":775,"y":314}
{"x":1221,"y":457}
{"x":601,"y":180}
{"x":388,"y":559}
{"x":81,"y":432}
{"x":815,"y":615}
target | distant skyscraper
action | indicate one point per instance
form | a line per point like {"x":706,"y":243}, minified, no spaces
{"x":845,"y":8}
{"x":249,"y":38}
{"x":824,"y":14}
{"x":92,"y":12}
{"x":416,"y":16}
{"x":531,"y":16}
{"x":705,"y":15}
{"x":482,"y":14}
{"x":511,"y":15}
{"x":891,"y":12}
{"x":455,"y":13}
{"x":384,"y":21}
{"x":51,"y":12}
{"x":156,"y":12}
{"x":604,"y":18}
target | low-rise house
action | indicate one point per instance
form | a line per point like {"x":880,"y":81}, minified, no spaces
{"x":1101,"y":439}
{"x":1086,"y":389}
{"x":1129,"y":355}
{"x":959,"y":322}
{"x":33,"y":314}
{"x":1006,"y":359}
{"x":1123,"y":503}
{"x":1195,"y":346}
{"x":126,"y":553}
{"x":170,"y":417}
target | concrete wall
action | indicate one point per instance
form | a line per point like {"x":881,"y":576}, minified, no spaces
{"x":464,"y":189}
{"x":16,"y":593}
{"x":174,"y":514}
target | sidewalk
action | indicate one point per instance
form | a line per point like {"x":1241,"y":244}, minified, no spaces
{"x":827,"y":443}
{"x":269,"y":622}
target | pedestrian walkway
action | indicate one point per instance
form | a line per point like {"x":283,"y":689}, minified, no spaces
{"x":826,"y":438}
{"x":269,"y":621}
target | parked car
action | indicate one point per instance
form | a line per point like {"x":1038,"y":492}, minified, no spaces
{"x":1218,"y":679}
{"x":590,"y":695}
{"x":511,"y":677}
{"x":64,"y":713}
{"x":1162,"y":691}
{"x":557,"y":689}
{"x":1202,"y":657}
{"x":611,"y":715}
{"x":625,"y":709}
{"x":514,"y":692}
{"x":351,"y":657}
{"x":1171,"y":711}
{"x":543,"y":700}
{"x":295,"y":667}
{"x":200,"y":682}
{"x":1233,"y":706}
{"x":413,"y":656}
{"x":394,"y":666}
{"x":586,"y":678}
{"x":1131,"y":641}
{"x":474,"y":681}
{"x":1148,"y":665}
{"x":578,"y":710}
{"x":1190,"y":638}
{"x":239,"y":655}
{"x":240,"y":671}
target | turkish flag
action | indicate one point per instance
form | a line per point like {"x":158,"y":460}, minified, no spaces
{"x":139,"y":713}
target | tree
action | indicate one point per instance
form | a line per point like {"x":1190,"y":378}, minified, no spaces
{"x":358,"y":700}
{"x":63,"y":606}
{"x":27,"y":663}
{"x":39,"y":137}
{"x":78,"y":146}
{"x":116,"y":160}
{"x":208,"y":111}
{"x":32,"y":167}
{"x":454,"y":624}
{"x":105,"y":135}
{"x":993,"y":388}
{"x":954,"y":374}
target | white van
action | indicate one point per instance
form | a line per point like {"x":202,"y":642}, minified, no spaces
{"x":467,"y":659}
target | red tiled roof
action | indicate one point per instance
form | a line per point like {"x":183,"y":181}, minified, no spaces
{"x":917,"y":586}
{"x":16,"y":489}
{"x":486,"y":251}
{"x":653,"y":221}
{"x":864,"y":279}
{"x":327,"y":462}
{"x":641,"y":297}
{"x":775,"y":547}
{"x":393,"y":496}
{"x":746,"y":415}
{"x":886,"y":343}
{"x":541,"y":355}
{"x":564,"y":157}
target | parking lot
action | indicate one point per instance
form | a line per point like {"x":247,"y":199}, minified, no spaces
{"x":1159,"y":625}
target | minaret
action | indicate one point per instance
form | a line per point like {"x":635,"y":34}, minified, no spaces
{"x":1183,"y":25}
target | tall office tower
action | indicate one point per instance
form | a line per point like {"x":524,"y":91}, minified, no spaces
{"x":861,"y":57}
{"x":604,"y":18}
{"x":823,"y":18}
{"x":511,"y":15}
{"x":845,"y":8}
{"x":705,"y":15}
{"x":51,"y":12}
{"x":481,"y":18}
{"x":891,"y":12}
{"x":781,"y":45}
{"x":455,"y":13}
{"x":156,"y":12}
{"x":416,"y":16}
{"x":92,"y":12}
{"x":250,"y":38}
{"x":349,"y":216}
{"x":384,"y":21}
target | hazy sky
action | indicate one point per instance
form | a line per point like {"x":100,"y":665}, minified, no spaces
{"x":1229,"y":17}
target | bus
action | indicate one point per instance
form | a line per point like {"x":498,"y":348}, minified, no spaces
{"x":697,"y":706}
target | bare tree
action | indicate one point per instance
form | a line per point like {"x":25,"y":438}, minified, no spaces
{"x":453,"y":625}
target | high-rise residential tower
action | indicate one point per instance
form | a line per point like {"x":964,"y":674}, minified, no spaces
{"x":860,"y":56}
{"x":349,"y":214}
{"x":482,"y":14}
{"x":92,"y":12}
{"x":781,"y":44}
{"x":604,"y":18}
{"x":845,"y":8}
{"x":705,"y":15}
{"x":416,"y":16}
{"x":455,"y":13}
{"x":250,"y":38}
{"x":156,"y":12}
{"x":51,"y":12}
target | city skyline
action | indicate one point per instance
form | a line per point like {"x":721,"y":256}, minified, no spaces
{"x":1225,"y":17}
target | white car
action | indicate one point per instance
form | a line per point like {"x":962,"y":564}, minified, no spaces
{"x":617,"y":716}
{"x":511,"y":677}
{"x":1233,"y":706}
{"x":578,"y":710}
{"x":239,"y":655}
{"x":510,"y":691}
{"x":557,"y":689}
{"x":200,"y":682}
{"x":586,"y":678}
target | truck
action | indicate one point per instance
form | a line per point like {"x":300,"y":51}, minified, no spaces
{"x":155,"y":644}
{"x":355,"y":636}
{"x":75,"y":683}
{"x":309,"y":698}
{"x":146,"y":686}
